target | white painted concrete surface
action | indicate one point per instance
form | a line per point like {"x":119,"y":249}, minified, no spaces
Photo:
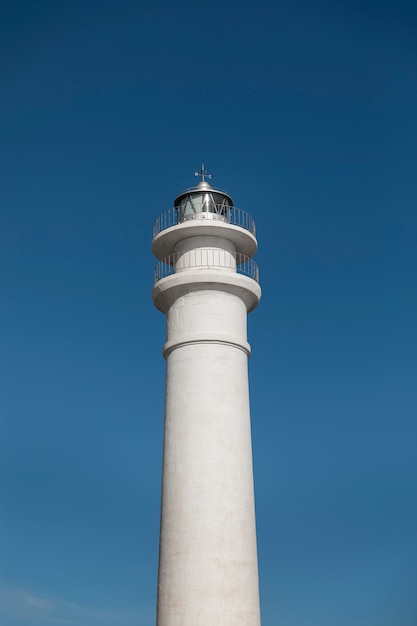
{"x":208,"y":573}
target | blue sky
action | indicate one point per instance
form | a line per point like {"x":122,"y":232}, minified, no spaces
{"x":306,"y":114}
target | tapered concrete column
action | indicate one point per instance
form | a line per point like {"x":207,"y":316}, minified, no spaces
{"x":208,"y":573}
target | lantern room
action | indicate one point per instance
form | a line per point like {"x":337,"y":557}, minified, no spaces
{"x":203,"y":201}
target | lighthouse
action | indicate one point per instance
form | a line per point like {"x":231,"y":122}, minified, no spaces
{"x":206,"y":282}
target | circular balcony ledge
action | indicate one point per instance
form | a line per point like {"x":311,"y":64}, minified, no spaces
{"x":165,"y":241}
{"x":170,"y":288}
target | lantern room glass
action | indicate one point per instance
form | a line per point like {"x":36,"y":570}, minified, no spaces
{"x":203,"y":203}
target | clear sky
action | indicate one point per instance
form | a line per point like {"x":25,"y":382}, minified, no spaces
{"x":305,"y":112}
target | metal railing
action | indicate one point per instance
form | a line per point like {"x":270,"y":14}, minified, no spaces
{"x":206,"y":258}
{"x":233,"y":215}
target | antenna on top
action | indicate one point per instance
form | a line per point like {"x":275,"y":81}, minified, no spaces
{"x":202,"y":173}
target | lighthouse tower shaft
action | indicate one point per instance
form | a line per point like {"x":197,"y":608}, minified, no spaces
{"x":208,"y":572}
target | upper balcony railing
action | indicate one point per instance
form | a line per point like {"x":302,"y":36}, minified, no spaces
{"x":233,"y":215}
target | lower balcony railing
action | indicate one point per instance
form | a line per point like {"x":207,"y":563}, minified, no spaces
{"x":206,"y":258}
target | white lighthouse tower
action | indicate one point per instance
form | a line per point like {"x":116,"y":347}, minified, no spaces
{"x":205,"y":282}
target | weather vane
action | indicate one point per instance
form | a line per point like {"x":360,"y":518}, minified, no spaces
{"x":202,"y":173}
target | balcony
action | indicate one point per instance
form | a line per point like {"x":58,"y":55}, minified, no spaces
{"x":206,"y":259}
{"x":230,"y":215}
